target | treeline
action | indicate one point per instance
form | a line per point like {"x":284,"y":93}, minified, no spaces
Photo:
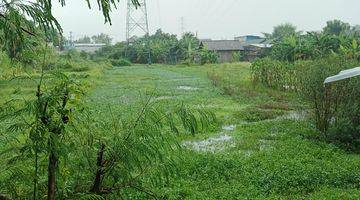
{"x":300,"y":63}
{"x":337,"y":37}
{"x":160,"y":48}
{"x":101,"y":38}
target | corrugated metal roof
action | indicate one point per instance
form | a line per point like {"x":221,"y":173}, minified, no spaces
{"x":223,"y":45}
{"x":344,"y":75}
{"x":261,"y":45}
{"x":256,"y":41}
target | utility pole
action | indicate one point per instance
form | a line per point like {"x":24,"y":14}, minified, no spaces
{"x":71,"y":37}
{"x":70,"y":44}
{"x":137,"y":23}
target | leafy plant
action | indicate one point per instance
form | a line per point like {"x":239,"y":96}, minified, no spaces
{"x":207,"y":56}
{"x":237,"y":57}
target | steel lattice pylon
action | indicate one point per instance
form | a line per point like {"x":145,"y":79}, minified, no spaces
{"x":137,"y":23}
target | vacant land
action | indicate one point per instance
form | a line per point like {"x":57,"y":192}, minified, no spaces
{"x":264,"y":146}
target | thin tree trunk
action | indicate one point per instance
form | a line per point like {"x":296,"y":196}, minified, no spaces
{"x":36,"y":172}
{"x":52,"y":176}
{"x":96,"y":188}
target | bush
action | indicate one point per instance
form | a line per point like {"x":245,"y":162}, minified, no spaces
{"x":237,"y":56}
{"x":253,"y":114}
{"x":345,"y":129}
{"x":120,"y":62}
{"x":336,"y":106}
{"x":207,"y":57}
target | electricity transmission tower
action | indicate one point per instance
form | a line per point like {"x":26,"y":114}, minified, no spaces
{"x":137,"y":24}
{"x":182,"y":25}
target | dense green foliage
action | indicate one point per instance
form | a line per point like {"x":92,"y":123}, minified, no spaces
{"x":120,"y":62}
{"x":74,"y":128}
{"x":336,"y":106}
{"x":23,"y":23}
{"x":74,"y":138}
{"x":207,"y":57}
{"x":337,"y":27}
{"x":300,"y":63}
{"x":337,"y":38}
{"x":282,"y":31}
{"x":164,"y":48}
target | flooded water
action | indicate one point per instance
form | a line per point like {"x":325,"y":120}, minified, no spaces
{"x":299,"y":115}
{"x":229,"y":127}
{"x":187,"y":88}
{"x":161,"y":98}
{"x":213,"y":144}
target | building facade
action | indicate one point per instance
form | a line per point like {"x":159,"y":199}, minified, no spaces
{"x":225,"y":49}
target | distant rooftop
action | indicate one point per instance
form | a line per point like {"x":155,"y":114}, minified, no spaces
{"x":223,"y":45}
{"x":246,"y":38}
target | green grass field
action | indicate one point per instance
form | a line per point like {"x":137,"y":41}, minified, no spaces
{"x":268,"y":156}
{"x":264,"y":147}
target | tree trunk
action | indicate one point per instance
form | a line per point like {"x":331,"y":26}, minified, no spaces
{"x":96,"y":188}
{"x":52,"y":176}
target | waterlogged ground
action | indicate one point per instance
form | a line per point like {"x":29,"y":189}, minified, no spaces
{"x":262,"y":149}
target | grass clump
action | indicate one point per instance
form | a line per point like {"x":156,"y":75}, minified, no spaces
{"x":120,"y":62}
{"x":254,"y":114}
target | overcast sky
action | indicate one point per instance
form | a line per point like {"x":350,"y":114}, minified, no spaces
{"x":217,"y":19}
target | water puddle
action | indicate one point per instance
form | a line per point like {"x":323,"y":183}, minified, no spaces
{"x":124,"y":99}
{"x":180,"y":79}
{"x":161,"y":98}
{"x":229,"y":127}
{"x":213,"y":144}
{"x":301,"y":115}
{"x":188,"y":88}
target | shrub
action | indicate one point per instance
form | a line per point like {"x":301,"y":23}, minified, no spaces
{"x":336,"y":106}
{"x":345,"y":129}
{"x":253,"y":114}
{"x":237,"y":57}
{"x":120,"y":62}
{"x":207,"y":57}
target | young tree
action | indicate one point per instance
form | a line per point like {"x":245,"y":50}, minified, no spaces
{"x":282,"y":31}
{"x":188,"y":44}
{"x":102,"y":38}
{"x":15,"y":27}
{"x":18,"y":20}
{"x":336,"y":27}
{"x":84,"y":40}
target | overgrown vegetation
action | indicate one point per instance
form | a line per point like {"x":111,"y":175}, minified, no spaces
{"x":72,"y":126}
{"x":300,"y":63}
{"x":163,"y":48}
